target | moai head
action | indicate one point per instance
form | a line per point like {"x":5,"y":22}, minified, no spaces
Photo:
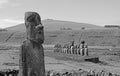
{"x":72,"y":43}
{"x":83,"y":42}
{"x":34,"y":27}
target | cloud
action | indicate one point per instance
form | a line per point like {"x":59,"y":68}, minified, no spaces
{"x":12,"y":21}
{"x":2,"y":2}
{"x":9,"y":22}
{"x":13,"y":3}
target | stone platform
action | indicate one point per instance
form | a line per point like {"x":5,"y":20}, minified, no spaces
{"x":94,"y":59}
{"x":73,"y":57}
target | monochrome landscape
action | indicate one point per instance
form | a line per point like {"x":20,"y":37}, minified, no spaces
{"x":81,"y":41}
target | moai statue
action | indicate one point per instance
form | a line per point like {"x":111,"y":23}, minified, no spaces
{"x":65,"y":49}
{"x":56,"y":48}
{"x":86,"y":50}
{"x":72,"y":50}
{"x":78,"y":50}
{"x":68,"y":50}
{"x":75,"y":49}
{"x":72,"y":47}
{"x":82,"y":48}
{"x":32,"y":54}
{"x":72,"y":43}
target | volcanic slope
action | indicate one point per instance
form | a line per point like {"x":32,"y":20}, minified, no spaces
{"x":57,"y":31}
{"x":52,"y":25}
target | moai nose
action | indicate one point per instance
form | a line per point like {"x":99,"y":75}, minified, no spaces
{"x":39,"y":28}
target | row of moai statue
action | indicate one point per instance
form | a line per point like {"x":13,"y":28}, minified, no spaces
{"x":71,"y":48}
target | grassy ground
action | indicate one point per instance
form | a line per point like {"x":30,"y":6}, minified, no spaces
{"x":110,"y":60}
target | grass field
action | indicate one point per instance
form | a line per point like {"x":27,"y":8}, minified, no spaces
{"x":109,"y":60}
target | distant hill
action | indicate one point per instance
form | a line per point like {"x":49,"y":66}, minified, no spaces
{"x":93,"y":37}
{"x":57,"y":31}
{"x":52,"y":25}
{"x":3,"y":29}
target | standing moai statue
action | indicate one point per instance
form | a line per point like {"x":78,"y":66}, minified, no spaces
{"x":68,"y":48}
{"x":32,"y":54}
{"x":72,"y":50}
{"x":86,"y":50}
{"x":75,"y":49}
{"x":56,"y":48}
{"x":78,"y":49}
{"x":82,"y":48}
{"x":72,"y":47}
{"x":65,"y":48}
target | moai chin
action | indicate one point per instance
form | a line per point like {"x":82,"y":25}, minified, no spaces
{"x":32,"y":54}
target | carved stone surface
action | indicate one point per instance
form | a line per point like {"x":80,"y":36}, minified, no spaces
{"x":32,"y":54}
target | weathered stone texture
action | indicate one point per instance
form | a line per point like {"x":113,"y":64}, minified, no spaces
{"x":32,"y":54}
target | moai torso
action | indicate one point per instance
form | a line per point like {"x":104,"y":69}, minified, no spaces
{"x":72,"y":49}
{"x":75,"y":49}
{"x":81,"y":46}
{"x":32,"y":54}
{"x":82,"y":49}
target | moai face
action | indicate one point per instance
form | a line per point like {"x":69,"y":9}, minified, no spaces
{"x":34,"y":27}
{"x":39,"y":33}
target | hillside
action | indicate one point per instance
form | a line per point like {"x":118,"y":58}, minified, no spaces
{"x":92,"y":34}
{"x":52,"y":25}
{"x":93,"y":37}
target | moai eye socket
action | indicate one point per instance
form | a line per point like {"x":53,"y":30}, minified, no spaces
{"x":39,"y":31}
{"x":31,"y":18}
{"x":39,"y":28}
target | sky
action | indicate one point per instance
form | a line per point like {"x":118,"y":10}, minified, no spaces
{"x":98,"y":12}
